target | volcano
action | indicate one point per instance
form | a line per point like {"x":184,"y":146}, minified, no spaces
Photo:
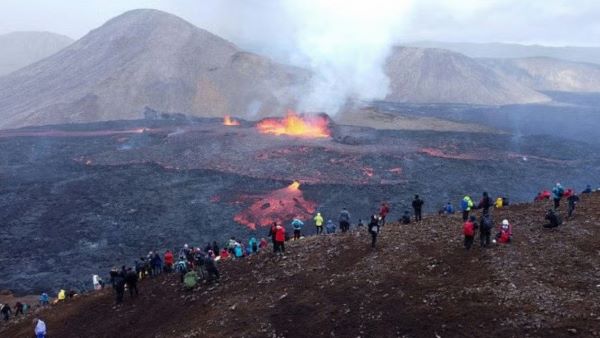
{"x":146,"y":58}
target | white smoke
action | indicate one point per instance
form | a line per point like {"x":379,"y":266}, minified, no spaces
{"x":346,"y":44}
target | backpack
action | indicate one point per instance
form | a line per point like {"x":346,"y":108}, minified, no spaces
{"x":469,"y":228}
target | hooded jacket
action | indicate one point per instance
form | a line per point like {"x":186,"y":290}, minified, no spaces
{"x":318,"y":219}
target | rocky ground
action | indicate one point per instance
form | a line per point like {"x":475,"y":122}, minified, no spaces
{"x":419,"y":282}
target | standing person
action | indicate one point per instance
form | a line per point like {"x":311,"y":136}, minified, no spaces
{"x":18,"y":309}
{"x":573,"y":200}
{"x":417,"y":205}
{"x":557,"y":193}
{"x":169,"y":261}
{"x":374,"y":229}
{"x":319,"y":223}
{"x":215,"y":248}
{"x":485,"y":204}
{"x":131,"y":279}
{"x":211,"y":268}
{"x":118,"y":282}
{"x":40,"y":328}
{"x":384,"y":210}
{"x":6,"y":311}
{"x":469,"y":232}
{"x":449,"y":209}
{"x":330,"y":227}
{"x":253,"y":245}
{"x":344,"y":220}
{"x":466,"y":204}
{"x":485,"y":231}
{"x":44,"y":299}
{"x":499,"y":202}
{"x":297,"y":225}
{"x":280,"y":239}
{"x":272,"y":234}
{"x":156,"y":263}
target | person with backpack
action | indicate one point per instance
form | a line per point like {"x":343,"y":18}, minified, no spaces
{"x":485,"y":204}
{"x":297,"y":225}
{"x":190,"y":279}
{"x":318,"y":223}
{"x":44,"y":299}
{"x":6,"y":311}
{"x":572,"y":200}
{"x":466,"y":204}
{"x":417,"y":205}
{"x":553,"y":219}
{"x":344,"y":220}
{"x":505,"y":233}
{"x":253,"y":245}
{"x":485,"y":231}
{"x":557,"y":193}
{"x":374,"y":229}
{"x":469,"y":232}
{"x":156,"y":263}
{"x":131,"y":280}
{"x":40,"y":328}
{"x":330,"y":227}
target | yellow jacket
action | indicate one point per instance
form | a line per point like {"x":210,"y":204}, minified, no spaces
{"x":318,"y":220}
{"x":499,"y":202}
{"x":61,"y":295}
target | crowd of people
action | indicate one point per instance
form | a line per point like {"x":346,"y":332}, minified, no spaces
{"x":196,"y":263}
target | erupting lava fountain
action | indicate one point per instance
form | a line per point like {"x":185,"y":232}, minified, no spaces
{"x":296,"y":125}
{"x":228,"y":121}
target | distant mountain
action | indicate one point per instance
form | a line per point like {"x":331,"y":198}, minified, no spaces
{"x":146,"y":58}
{"x":507,"y":50}
{"x":423,"y":75}
{"x":547,"y":74}
{"x":19,"y":49}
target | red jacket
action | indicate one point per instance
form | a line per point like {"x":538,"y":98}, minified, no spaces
{"x":263,"y":243}
{"x":280,"y":233}
{"x":384,"y":211}
{"x":168,"y":258}
{"x":224,"y":254}
{"x":469,"y":228}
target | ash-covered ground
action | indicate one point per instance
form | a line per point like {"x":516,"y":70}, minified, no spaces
{"x":76,"y":200}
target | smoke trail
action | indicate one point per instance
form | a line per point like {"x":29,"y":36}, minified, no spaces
{"x":346,"y":44}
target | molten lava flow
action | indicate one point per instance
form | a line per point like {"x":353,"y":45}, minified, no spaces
{"x":295,"y":125}
{"x":228,"y":121}
{"x":278,"y":206}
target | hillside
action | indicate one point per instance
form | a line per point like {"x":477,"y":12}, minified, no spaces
{"x":438,"y":76}
{"x":145,"y":58}
{"x":510,"y":50}
{"x":20,"y":49}
{"x":419,"y":282}
{"x":548,"y":74}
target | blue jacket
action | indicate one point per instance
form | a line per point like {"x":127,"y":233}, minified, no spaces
{"x":297,"y":224}
{"x":330,"y":227}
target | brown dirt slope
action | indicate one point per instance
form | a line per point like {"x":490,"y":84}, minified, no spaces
{"x":419,"y":282}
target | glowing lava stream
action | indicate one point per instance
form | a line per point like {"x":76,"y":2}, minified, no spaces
{"x":278,"y":206}
{"x":228,"y":121}
{"x":295,"y":125}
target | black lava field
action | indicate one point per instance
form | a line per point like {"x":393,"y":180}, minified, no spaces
{"x":76,"y":200}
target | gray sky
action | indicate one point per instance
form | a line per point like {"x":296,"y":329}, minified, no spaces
{"x":249,"y":22}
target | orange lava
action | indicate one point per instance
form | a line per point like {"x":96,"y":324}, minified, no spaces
{"x":296,"y":125}
{"x":279,"y":206}
{"x":228,"y":121}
